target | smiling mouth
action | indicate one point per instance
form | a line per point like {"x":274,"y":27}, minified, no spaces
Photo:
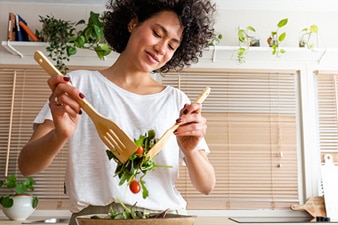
{"x":153,"y":57}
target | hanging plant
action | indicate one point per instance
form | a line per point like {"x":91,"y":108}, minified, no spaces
{"x":57,"y":32}
{"x":64,"y":41}
{"x":91,"y":37}
{"x":276,"y":38}
{"x":246,"y":38}
{"x":306,"y":35}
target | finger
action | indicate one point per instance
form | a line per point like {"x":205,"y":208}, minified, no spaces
{"x":65,"y":99}
{"x":54,"y":81}
{"x":191,"y":108}
{"x":191,"y":129}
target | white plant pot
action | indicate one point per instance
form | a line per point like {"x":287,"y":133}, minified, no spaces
{"x":21,"y":209}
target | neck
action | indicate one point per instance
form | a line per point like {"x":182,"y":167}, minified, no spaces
{"x":131,"y":80}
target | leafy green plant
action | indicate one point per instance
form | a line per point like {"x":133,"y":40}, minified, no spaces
{"x":276,"y":38}
{"x":216,"y":40}
{"x":64,"y":40}
{"x":57,"y":32}
{"x":91,"y":37}
{"x":306,"y":34}
{"x":17,"y":188}
{"x":138,"y":164}
{"x":246,"y":39}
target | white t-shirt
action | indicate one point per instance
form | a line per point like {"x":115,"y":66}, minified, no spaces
{"x":90,"y":176}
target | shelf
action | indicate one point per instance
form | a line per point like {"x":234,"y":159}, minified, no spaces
{"x":215,"y":54}
{"x":23,"y":48}
{"x":219,"y":53}
{"x":26,"y":49}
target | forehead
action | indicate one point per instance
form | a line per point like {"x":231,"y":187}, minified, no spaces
{"x":169,"y":21}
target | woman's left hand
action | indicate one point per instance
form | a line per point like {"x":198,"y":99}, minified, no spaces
{"x":192,"y":127}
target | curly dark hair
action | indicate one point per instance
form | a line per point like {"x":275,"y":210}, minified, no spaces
{"x":196,"y":17}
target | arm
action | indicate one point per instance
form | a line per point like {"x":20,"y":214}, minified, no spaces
{"x":201,"y":172}
{"x":41,"y":149}
{"x":192,"y":129}
{"x":49,"y":137}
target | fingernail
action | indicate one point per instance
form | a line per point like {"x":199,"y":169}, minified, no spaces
{"x":82,"y":96}
{"x":67,"y":79}
{"x":178,"y":120}
{"x":80,"y":112}
{"x":185,"y":111}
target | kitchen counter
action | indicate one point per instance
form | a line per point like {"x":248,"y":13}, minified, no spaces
{"x":203,"y":220}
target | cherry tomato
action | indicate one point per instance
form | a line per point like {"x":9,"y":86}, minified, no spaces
{"x":134,"y":186}
{"x":139,"y":151}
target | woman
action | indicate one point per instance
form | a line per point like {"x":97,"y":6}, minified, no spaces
{"x":151,"y":36}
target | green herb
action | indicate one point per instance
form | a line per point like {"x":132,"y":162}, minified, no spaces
{"x":137,"y":163}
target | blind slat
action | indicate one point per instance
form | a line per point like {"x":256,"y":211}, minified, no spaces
{"x":251,"y":132}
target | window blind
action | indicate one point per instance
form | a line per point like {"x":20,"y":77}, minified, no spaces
{"x":22,"y":94}
{"x":252,"y":130}
{"x":327,"y":88}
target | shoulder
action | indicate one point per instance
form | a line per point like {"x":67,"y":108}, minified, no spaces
{"x":177,"y":94}
{"x":79,"y":76}
{"x":82,"y":73}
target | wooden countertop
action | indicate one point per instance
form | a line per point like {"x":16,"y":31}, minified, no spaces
{"x":201,"y":220}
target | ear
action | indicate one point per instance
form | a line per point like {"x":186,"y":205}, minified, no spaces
{"x":133,"y":22}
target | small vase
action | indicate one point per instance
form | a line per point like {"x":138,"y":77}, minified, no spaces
{"x":22,"y":208}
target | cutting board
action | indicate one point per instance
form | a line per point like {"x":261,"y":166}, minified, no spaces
{"x":315,"y":206}
{"x":330,"y":187}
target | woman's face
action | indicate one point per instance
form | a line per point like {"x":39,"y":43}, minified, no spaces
{"x":153,"y":42}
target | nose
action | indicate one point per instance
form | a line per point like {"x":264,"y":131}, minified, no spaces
{"x":160,"y":48}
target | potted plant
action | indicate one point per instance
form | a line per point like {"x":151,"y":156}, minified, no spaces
{"x":18,"y":204}
{"x":91,"y":37}
{"x":306,"y":35}
{"x":276,"y":38}
{"x":64,"y":41}
{"x":57,"y":32}
{"x":216,"y":40}
{"x":246,"y":38}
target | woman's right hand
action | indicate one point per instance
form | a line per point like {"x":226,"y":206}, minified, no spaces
{"x":64,"y":106}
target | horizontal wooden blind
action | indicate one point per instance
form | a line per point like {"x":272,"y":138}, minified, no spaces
{"x":252,"y":132}
{"x":22,"y":94}
{"x":327,"y":88}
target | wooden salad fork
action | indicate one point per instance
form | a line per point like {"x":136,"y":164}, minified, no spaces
{"x":119,"y":143}
{"x":165,"y":137}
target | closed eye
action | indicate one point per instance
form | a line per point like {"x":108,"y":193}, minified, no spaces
{"x":156,"y":34}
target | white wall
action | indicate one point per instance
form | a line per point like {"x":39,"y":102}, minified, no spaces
{"x":265,"y":14}
{"x":261,"y":14}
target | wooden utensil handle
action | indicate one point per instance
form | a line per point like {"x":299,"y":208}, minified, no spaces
{"x":204,"y":94}
{"x":200,"y":99}
{"x":43,"y":61}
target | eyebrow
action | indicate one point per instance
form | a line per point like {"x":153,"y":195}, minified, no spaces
{"x":166,"y":32}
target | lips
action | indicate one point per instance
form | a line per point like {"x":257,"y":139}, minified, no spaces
{"x":153,"y":57}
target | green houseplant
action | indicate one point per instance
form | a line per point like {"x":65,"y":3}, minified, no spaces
{"x":57,"y":32}
{"x":91,"y":37}
{"x":276,"y":38}
{"x":246,"y":38}
{"x":216,"y":40}
{"x":18,"y":204}
{"x":64,"y":40}
{"x":306,"y":35}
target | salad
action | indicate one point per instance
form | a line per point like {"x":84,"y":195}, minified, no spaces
{"x":137,"y":165}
